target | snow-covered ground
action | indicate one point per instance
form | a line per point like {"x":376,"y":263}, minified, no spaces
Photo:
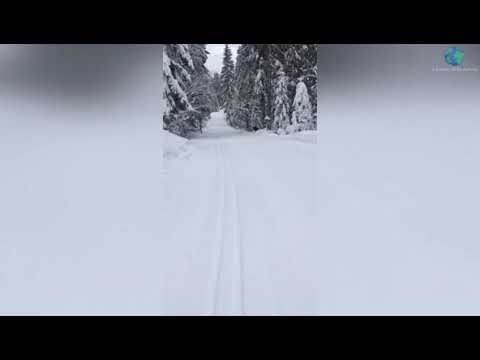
{"x":240,"y":224}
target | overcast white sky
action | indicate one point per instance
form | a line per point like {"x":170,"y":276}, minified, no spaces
{"x":214,"y":63}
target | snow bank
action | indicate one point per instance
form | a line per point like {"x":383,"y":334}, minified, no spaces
{"x":174,"y":146}
{"x":309,"y":136}
{"x":304,"y":136}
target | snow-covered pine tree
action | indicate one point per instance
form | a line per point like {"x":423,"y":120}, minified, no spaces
{"x":292,"y":63}
{"x":282,"y":102}
{"x":253,"y":83}
{"x":216,"y":89}
{"x":301,"y":63}
{"x":186,"y":89}
{"x":309,"y":74}
{"x":263,"y":90}
{"x":302,"y":110}
{"x":227,"y":77}
{"x":177,"y":67}
{"x":244,"y":103}
{"x":199,"y":90}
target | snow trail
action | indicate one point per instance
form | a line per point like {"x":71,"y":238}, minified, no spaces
{"x":229,"y":283}
{"x":245,"y":239}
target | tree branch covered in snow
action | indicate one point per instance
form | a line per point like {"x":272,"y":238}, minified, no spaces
{"x":187,"y":91}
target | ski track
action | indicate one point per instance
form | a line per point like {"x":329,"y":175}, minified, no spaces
{"x":229,"y":284}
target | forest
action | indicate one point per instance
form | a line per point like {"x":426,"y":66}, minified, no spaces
{"x":267,"y":87}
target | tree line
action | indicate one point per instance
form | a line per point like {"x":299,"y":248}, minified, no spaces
{"x":269,"y":86}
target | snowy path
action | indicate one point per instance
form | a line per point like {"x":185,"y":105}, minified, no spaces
{"x":240,"y":215}
{"x":229,"y":293}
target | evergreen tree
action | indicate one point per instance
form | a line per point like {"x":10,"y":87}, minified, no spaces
{"x":241,"y":112}
{"x":282,"y":102}
{"x":216,"y":90}
{"x":186,"y":91}
{"x":302,"y":110}
{"x":252,"y":105}
{"x":227,"y":77}
{"x":199,"y":90}
{"x":309,"y":74}
{"x":263,"y":83}
{"x":177,"y":66}
{"x":301,"y":64}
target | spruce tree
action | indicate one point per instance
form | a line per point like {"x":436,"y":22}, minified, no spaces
{"x":199,"y":90}
{"x":227,"y":76}
{"x":263,"y":83}
{"x":282,"y":102}
{"x":243,"y":105}
{"x":302,"y":109}
{"x":251,"y":106}
{"x":301,"y":64}
{"x":216,"y":89}
{"x":177,"y":66}
{"x":186,"y":90}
